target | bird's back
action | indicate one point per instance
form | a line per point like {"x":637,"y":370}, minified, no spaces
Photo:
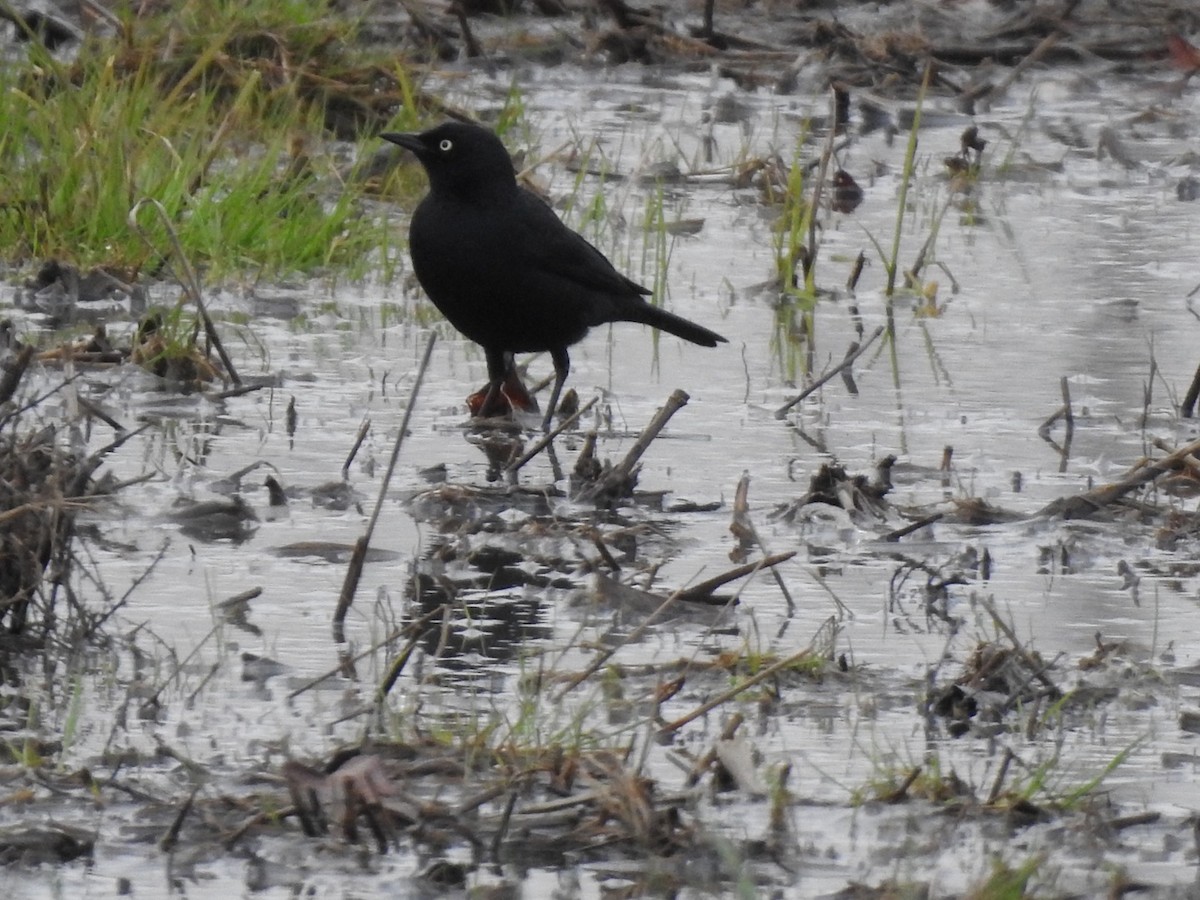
{"x":509,"y":275}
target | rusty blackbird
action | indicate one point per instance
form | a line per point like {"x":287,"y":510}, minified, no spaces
{"x":502,"y":267}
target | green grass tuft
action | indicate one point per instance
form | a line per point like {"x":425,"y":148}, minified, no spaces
{"x":222,"y":113}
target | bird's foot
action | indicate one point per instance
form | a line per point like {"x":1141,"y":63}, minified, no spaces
{"x":511,"y":397}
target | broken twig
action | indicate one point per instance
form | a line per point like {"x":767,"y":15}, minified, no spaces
{"x":832,"y":373}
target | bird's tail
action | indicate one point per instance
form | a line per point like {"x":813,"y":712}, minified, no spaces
{"x":677,"y":325}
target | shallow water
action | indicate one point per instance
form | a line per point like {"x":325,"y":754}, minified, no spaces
{"x":1079,"y":273}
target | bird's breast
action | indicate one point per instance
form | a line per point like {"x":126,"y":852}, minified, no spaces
{"x":460,"y":258}
{"x":455,"y":251}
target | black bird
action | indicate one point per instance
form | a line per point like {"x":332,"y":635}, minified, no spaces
{"x":498,"y":263}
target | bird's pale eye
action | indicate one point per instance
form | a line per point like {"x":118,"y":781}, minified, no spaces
{"x":445,"y":145}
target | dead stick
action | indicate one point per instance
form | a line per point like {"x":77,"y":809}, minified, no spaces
{"x":243,"y":597}
{"x":474,"y":51}
{"x":1122,"y":822}
{"x":743,"y":527}
{"x":58,"y":503}
{"x":350,"y":585}
{"x":100,"y":12}
{"x":1019,"y":692}
{"x":732,"y":724}
{"x":1064,"y":412}
{"x":397,"y":667}
{"x":1033,"y":664}
{"x":704,"y":588}
{"x":675,"y":402}
{"x":239,"y":391}
{"x":1189,"y":401}
{"x":820,"y":382}
{"x":488,"y":794}
{"x":1085,"y":504}
{"x":1044,"y":428}
{"x":190,"y":283}
{"x":620,"y":472}
{"x":79,"y":484}
{"x":781,"y":801}
{"x":728,"y":695}
{"x":358,"y":439}
{"x":545,"y":439}
{"x":14,"y":371}
{"x":856,"y":271}
{"x":498,"y":837}
{"x":354,"y":570}
{"x":1019,"y":69}
{"x":607,"y":654}
{"x":998,"y":783}
{"x":912,"y":526}
{"x":602,"y":549}
{"x":171,"y":838}
{"x":900,"y":793}
{"x":409,"y":629}
{"x":260,"y":818}
{"x":93,"y":410}
{"x":97,"y":358}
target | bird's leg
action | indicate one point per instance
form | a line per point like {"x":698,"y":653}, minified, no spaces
{"x":513,"y":391}
{"x":497,"y":366}
{"x":562,"y":366}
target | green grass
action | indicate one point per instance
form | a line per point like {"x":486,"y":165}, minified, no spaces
{"x":795,"y":271}
{"x":222,"y":113}
{"x":1007,"y":882}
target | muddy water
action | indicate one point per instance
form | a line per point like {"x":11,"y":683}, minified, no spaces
{"x":1067,"y":265}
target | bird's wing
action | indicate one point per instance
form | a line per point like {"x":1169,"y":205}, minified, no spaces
{"x":551,"y":246}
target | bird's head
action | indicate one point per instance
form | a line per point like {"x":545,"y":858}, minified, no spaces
{"x":460,"y":159}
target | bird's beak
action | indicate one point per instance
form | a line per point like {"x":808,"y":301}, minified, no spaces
{"x":407,"y":141}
